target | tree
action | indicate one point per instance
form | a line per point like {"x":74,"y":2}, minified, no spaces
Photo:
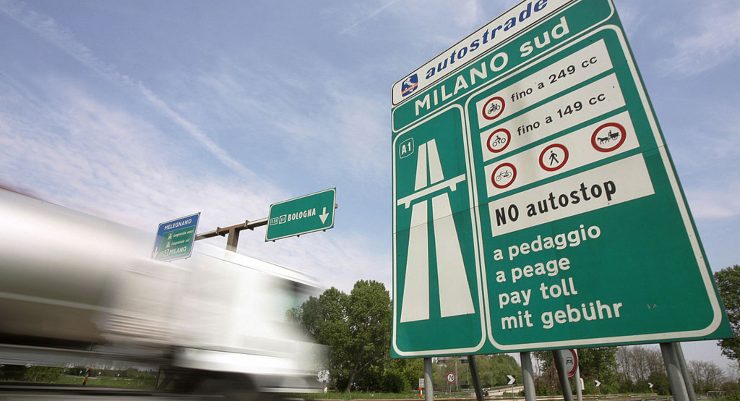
{"x":599,"y":364}
{"x":595,"y":363}
{"x":547,"y":381}
{"x":324,"y":319}
{"x":493,"y":369}
{"x":707,"y":376}
{"x":356,"y":329}
{"x":637,"y":366}
{"x":369,"y":320}
{"x":728,"y":283}
{"x":402,"y":374}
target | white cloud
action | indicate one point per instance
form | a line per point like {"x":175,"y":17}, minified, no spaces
{"x":437,"y":13}
{"x":433,"y":21}
{"x":349,"y":129}
{"x":715,"y":203}
{"x":91,"y":154}
{"x":95,"y":157}
{"x":370,"y":14}
{"x":47,"y":28}
{"x":631,"y":15}
{"x":725,"y":143}
{"x":702,"y":147}
{"x":710,"y":39}
{"x":340,"y":125}
{"x":335,"y":258}
{"x":79,"y":152}
{"x":706,"y":160}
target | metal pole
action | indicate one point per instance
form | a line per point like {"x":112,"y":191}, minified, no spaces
{"x":562,"y":375}
{"x":156,"y":382}
{"x":221,"y":231}
{"x":457,"y":377}
{"x":232,"y":239}
{"x":579,"y":388}
{"x":474,"y":374}
{"x":527,"y":376}
{"x":428,"y":387}
{"x":673,"y":370}
{"x":684,"y":371}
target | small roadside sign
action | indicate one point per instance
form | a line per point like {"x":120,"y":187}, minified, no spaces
{"x":175,"y":238}
{"x":571,"y":361}
{"x":450,"y":378}
{"x":302,"y":215}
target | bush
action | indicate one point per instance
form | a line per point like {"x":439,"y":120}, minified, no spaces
{"x":394,"y":382}
{"x":731,"y":397}
{"x":41,"y":374}
{"x":12,"y":372}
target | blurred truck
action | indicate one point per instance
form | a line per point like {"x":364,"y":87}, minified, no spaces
{"x":75,"y":289}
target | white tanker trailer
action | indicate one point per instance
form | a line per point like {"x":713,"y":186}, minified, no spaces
{"x":75,"y":289}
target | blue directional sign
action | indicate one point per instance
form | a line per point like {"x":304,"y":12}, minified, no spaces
{"x":175,"y":238}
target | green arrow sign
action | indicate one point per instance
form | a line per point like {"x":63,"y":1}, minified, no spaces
{"x":301,"y":215}
{"x":535,"y":205}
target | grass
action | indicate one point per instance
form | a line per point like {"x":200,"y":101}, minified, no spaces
{"x":333,"y":395}
{"x":138,"y":383}
{"x":408,"y":395}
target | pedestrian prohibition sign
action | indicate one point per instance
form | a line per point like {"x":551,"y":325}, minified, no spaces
{"x":535,"y":205}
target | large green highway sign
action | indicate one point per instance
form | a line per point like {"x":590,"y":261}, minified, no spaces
{"x":306,"y":214}
{"x":535,"y":205}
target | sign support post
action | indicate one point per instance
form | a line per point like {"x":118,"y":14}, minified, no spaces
{"x":685,"y":372}
{"x":232,"y":232}
{"x":562,"y":374}
{"x":428,"y":386}
{"x":579,"y":388}
{"x":232,"y":240}
{"x":527,"y":376}
{"x":474,"y":375}
{"x":673,"y":370}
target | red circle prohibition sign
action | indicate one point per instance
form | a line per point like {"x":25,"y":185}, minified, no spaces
{"x":488,"y":103}
{"x":504,"y":175}
{"x":561,"y":164}
{"x":573,"y":370}
{"x":494,"y":134}
{"x":597,"y":141}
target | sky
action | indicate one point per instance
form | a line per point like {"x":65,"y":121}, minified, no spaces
{"x":140,"y":112}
